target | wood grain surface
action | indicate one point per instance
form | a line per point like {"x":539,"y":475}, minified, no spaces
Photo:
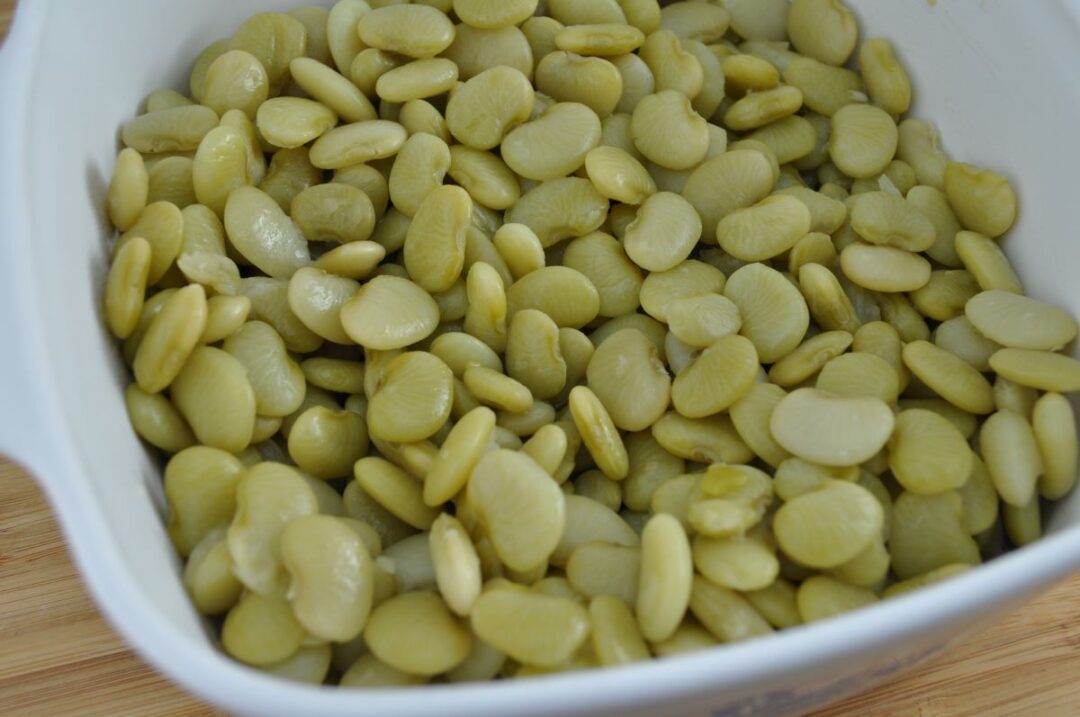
{"x":59,"y":657}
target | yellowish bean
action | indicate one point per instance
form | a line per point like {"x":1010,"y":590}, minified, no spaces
{"x":416,"y":31}
{"x":707,"y":440}
{"x":927,"y":454}
{"x":413,"y":399}
{"x":831,"y":430}
{"x":502,"y":481}
{"x":987,"y":263}
{"x":268,"y":497}
{"x":725,"y":613}
{"x":128,"y":189}
{"x":1038,"y":369}
{"x":208,"y":575}
{"x":531,"y":627}
{"x":767,"y":229}
{"x":1017,"y":321}
{"x":356,"y":143}
{"x":559,"y":209}
{"x":486,"y":107}
{"x":178,"y":129}
{"x":716,"y":379}
{"x":235,"y":80}
{"x":658,"y":119}
{"x":274,"y":39}
{"x":983,"y":200}
{"x":774,"y":314}
{"x":485,"y":317}
{"x":261,"y":630}
{"x":170,"y":338}
{"x":886,"y":80}
{"x":945,"y":295}
{"x":666,"y":577}
{"x":829,"y":526}
{"x":162,"y":225}
{"x":389,"y":312}
{"x":928,"y":533}
{"x":277,"y":380}
{"x":458,"y":455}
{"x":950,"y":377}
{"x":826,"y":89}
{"x":415,"y":632}
{"x":1011,"y":452}
{"x":1054,"y":425}
{"x":496,"y":389}
{"x":599,"y":433}
{"x":762,"y":108}
{"x":863,"y":140}
{"x":884,"y":268}
{"x":884,"y":218}
{"x":200,"y":488}
{"x":457,"y":567}
{"x":332,"y":576}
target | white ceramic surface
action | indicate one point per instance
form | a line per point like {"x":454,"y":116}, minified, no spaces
{"x":999,"y":78}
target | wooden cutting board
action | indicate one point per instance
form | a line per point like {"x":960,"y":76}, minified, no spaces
{"x":59,"y":657}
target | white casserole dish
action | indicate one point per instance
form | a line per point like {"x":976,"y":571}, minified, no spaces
{"x":998,"y":77}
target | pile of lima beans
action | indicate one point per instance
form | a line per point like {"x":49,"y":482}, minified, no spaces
{"x":498,"y":338}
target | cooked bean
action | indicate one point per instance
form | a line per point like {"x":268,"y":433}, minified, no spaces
{"x":599,"y":433}
{"x":1039,"y":369}
{"x":1054,"y":426}
{"x":826,"y":89}
{"x":762,"y":108}
{"x":261,"y":630}
{"x":667,"y":131}
{"x":413,"y":399}
{"x":884,"y":268}
{"x":927,"y":454}
{"x":177,"y":129}
{"x":863,"y":140}
{"x":389,"y":312}
{"x":823,"y":29}
{"x":831,"y":430}
{"x":481,"y":111}
{"x":716,"y":379}
{"x":710,"y":440}
{"x":949,"y":376}
{"x":128,"y":189}
{"x":883,"y":218}
{"x":416,"y":31}
{"x":332,"y":576}
{"x":730,"y":181}
{"x":1017,"y":321}
{"x":774,"y":314}
{"x":987,"y":263}
{"x":356,"y":143}
{"x":826,"y":299}
{"x":886,"y":80}
{"x":559,"y":209}
{"x":666,"y":577}
{"x":929,"y":533}
{"x":828,"y":526}
{"x":767,"y":229}
{"x":725,"y":613}
{"x":504,"y":479}
{"x":415,"y":632}
{"x":277,"y":380}
{"x":600,"y":258}
{"x":983,"y":200}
